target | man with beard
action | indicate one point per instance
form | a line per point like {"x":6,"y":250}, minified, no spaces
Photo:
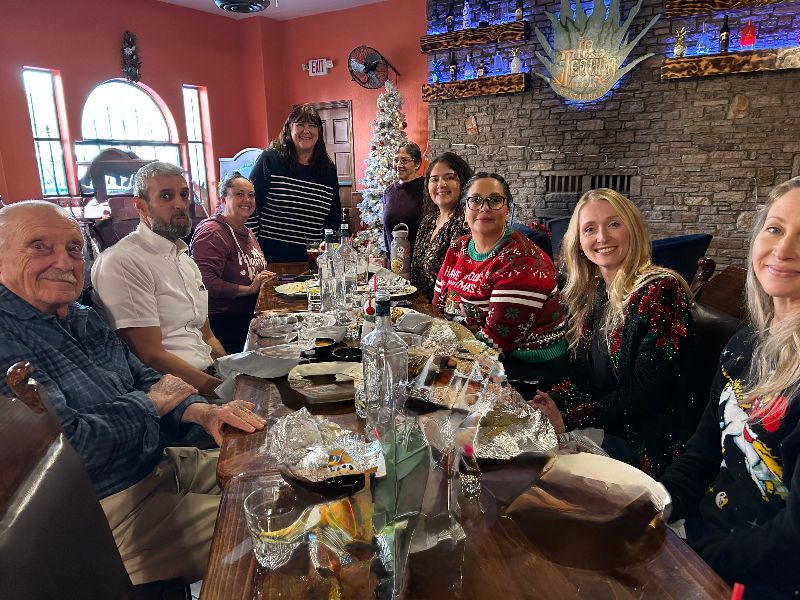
{"x":149,"y":289}
{"x":161,"y":503}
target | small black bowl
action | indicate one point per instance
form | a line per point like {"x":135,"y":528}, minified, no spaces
{"x":347,"y":354}
{"x":323,"y":347}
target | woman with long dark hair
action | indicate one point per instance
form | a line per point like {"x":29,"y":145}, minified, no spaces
{"x":443,"y":218}
{"x":297,"y":190}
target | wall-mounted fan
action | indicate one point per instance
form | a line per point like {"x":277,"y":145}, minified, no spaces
{"x":368,"y":67}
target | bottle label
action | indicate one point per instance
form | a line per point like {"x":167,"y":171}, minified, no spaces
{"x":382,"y":309}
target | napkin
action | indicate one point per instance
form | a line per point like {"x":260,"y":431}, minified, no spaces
{"x":274,"y":361}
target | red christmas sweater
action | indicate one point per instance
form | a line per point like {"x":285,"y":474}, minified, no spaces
{"x":510,"y":292}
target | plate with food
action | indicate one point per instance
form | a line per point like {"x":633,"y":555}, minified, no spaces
{"x":276,"y":324}
{"x":297,"y":289}
{"x":326,"y":381}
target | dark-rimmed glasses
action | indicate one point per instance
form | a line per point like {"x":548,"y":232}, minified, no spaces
{"x":495,"y":202}
{"x":403,"y":161}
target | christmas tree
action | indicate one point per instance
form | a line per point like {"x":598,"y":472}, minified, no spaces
{"x":388,"y":134}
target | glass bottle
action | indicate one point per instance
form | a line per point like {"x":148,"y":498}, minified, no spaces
{"x":453,"y":69}
{"x":703,"y":42}
{"x":451,"y":18}
{"x":724,"y":35}
{"x":747,"y":39}
{"x":469,"y":69}
{"x":385,"y":360}
{"x":348,"y":265}
{"x":327,"y":274}
{"x":466,"y":16}
{"x":498,"y":64}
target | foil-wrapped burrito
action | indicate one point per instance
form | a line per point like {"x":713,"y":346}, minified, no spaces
{"x":315,"y":449}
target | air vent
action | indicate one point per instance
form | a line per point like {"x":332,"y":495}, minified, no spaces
{"x":563,"y":184}
{"x":619,"y":183}
{"x":242,"y":6}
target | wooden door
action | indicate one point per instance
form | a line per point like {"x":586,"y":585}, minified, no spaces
{"x":338,"y":131}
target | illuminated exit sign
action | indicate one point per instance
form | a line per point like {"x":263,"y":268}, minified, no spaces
{"x":318,"y":66}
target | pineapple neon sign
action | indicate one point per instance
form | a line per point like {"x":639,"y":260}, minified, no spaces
{"x":585,"y":60}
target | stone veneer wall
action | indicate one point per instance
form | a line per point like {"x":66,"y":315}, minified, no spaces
{"x":707,"y":150}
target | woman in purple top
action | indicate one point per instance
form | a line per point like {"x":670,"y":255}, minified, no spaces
{"x":402,"y":200}
{"x":231,"y":262}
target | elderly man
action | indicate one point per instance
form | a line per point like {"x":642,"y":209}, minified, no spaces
{"x":151,"y":292}
{"x":161,"y":504}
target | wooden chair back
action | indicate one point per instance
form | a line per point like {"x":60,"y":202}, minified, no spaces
{"x":725,"y":291}
{"x":54,"y":537}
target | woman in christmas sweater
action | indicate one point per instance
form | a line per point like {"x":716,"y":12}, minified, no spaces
{"x":231,"y":263}
{"x":629,"y":335}
{"x":738,"y":483}
{"x":502,"y":283}
{"x":297,"y":190}
{"x":443,"y":218}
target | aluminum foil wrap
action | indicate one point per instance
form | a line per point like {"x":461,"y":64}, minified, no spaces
{"x":316,"y":449}
{"x":512,"y":427}
{"x":440,"y":340}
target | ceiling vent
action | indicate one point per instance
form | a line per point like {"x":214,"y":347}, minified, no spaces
{"x":242,"y":6}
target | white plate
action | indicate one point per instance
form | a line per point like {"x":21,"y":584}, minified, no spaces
{"x":296,"y":289}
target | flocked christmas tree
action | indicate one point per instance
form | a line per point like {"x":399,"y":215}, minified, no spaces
{"x":388,"y":134}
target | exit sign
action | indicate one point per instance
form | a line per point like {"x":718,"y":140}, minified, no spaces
{"x":319,"y":66}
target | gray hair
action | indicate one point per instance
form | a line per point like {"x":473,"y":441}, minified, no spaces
{"x":7,"y":214}
{"x":154,"y":169}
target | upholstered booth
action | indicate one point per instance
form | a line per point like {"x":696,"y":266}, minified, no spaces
{"x":681,"y":253}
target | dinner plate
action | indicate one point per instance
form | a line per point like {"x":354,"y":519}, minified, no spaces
{"x":397,"y":293}
{"x":296,"y":289}
{"x":323,"y":382}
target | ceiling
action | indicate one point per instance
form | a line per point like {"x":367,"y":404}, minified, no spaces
{"x":286,"y":9}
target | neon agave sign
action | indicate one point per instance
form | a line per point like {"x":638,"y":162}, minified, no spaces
{"x":585,"y":61}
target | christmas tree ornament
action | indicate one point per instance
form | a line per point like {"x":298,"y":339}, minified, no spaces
{"x":679,"y":49}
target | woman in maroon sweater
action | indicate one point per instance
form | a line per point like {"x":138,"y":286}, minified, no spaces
{"x":504,"y":285}
{"x":402,"y":200}
{"x":231,"y":262}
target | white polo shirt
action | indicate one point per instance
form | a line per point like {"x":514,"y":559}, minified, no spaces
{"x":144,"y":280}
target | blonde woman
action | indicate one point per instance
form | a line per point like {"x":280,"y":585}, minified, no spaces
{"x":737,"y":483}
{"x":629,"y":330}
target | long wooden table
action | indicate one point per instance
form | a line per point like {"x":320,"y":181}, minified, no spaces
{"x":501,"y":557}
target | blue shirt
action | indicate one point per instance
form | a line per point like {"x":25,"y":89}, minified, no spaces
{"x":97,"y":387}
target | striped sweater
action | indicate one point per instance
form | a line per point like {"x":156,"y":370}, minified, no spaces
{"x":509,"y":292}
{"x":292,"y":203}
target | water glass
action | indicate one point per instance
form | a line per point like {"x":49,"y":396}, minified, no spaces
{"x":272,"y":517}
{"x":306,"y":337}
{"x":362,"y":269}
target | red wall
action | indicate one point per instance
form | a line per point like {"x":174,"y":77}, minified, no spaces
{"x":251,"y":68}
{"x":393,"y":28}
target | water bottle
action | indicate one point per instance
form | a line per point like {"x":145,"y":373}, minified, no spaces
{"x":347,"y":265}
{"x":400,"y":252}
{"x":385,"y":360}
{"x":327,"y":275}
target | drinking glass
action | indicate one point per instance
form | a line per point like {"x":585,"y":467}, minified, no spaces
{"x":272,"y":517}
{"x":306,"y":337}
{"x":312,"y":252}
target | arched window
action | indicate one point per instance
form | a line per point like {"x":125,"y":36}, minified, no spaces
{"x":122,"y":115}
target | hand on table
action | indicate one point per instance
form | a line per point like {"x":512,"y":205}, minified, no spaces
{"x":545,"y":403}
{"x":213,"y":417}
{"x":168,"y":392}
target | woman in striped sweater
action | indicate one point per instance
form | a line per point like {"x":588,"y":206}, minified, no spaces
{"x":505,"y":286}
{"x":297,"y":190}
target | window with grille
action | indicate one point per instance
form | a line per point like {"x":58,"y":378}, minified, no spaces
{"x":196,"y":142}
{"x":119,"y":114}
{"x":40,"y":90}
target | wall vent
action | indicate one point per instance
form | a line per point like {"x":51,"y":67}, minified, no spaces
{"x":627,"y":185}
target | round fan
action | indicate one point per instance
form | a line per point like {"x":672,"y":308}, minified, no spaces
{"x":368,"y":67}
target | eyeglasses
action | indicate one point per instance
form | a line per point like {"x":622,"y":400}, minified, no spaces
{"x":306,"y":125}
{"x":403,"y":161}
{"x":476,"y":202}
